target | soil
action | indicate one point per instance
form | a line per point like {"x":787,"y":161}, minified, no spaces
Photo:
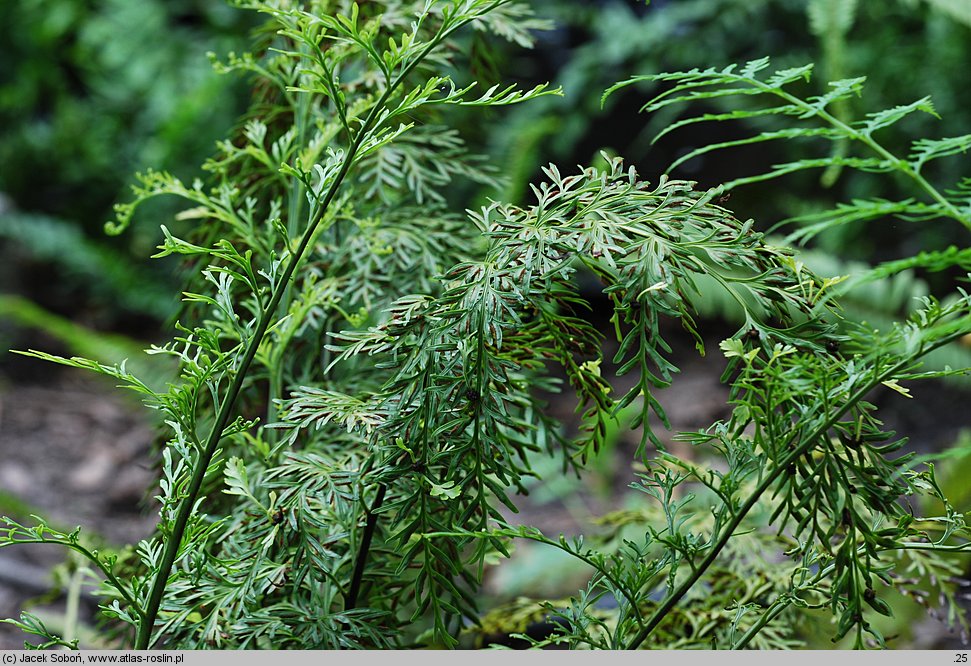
{"x":77,"y":451}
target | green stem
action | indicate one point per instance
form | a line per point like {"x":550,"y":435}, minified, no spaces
{"x":900,"y":165}
{"x":671,"y":601}
{"x":73,"y":605}
{"x":93,"y":558}
{"x":295,"y":208}
{"x":770,"y":614}
{"x":226,"y":408}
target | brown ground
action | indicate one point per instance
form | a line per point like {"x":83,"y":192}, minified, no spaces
{"x":74,"y":450}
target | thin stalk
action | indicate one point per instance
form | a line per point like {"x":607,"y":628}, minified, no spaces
{"x":93,"y":558}
{"x":362,"y":553}
{"x":295,"y":209}
{"x":172,"y":544}
{"x":770,"y":614}
{"x":833,"y":42}
{"x":73,"y":606}
{"x":900,"y":164}
{"x":174,"y":541}
{"x":670,"y":602}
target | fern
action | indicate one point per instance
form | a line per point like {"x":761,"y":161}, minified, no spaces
{"x":242,"y":323}
{"x":812,"y":121}
{"x":815,"y":122}
{"x":360,"y":403}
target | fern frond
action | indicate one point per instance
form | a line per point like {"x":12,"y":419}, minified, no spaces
{"x":422,"y":163}
{"x":727,"y":83}
{"x":925,"y":150}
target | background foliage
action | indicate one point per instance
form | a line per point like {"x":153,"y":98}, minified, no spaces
{"x":141,"y":107}
{"x":87,"y":112}
{"x":91,"y":92}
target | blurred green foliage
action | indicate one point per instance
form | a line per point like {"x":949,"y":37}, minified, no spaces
{"x":91,"y":89}
{"x":90,"y":92}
